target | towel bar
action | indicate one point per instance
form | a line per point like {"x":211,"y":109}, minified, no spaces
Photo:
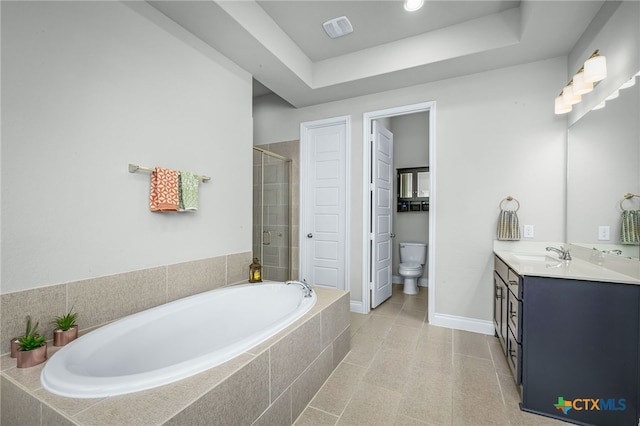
{"x":134,"y":168}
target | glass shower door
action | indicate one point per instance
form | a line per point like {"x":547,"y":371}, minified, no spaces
{"x":272,"y":214}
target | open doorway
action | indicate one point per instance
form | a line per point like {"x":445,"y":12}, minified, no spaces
{"x":385,"y":116}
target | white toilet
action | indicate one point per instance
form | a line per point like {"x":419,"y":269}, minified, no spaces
{"x":412,"y":257}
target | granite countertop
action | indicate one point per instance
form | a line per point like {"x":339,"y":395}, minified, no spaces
{"x":534,"y":260}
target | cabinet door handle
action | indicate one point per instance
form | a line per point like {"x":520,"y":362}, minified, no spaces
{"x":498,"y":292}
{"x":513,"y":313}
{"x":512,"y":353}
{"x":513,"y":282}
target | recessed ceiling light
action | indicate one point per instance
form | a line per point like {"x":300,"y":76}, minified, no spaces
{"x":338,"y":27}
{"x":413,"y":5}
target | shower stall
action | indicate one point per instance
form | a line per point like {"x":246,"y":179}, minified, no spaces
{"x":272,"y":214}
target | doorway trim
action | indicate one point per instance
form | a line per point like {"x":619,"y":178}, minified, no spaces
{"x":367,"y":119}
{"x":305,"y":128}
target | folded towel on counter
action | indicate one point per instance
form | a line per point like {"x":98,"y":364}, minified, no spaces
{"x":163,"y":194}
{"x":508,"y":226}
{"x":188,"y":191}
{"x":630,"y":227}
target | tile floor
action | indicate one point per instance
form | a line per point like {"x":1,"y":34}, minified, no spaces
{"x":403,"y":371}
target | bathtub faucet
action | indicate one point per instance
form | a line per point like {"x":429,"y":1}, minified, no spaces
{"x":305,"y":287}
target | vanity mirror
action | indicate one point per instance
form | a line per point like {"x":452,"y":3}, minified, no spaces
{"x":603,"y":164}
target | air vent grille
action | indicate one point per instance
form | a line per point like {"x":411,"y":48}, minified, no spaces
{"x":338,"y":27}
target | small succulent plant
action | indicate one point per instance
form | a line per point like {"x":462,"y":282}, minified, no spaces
{"x":67,"y":321}
{"x":31,"y":339}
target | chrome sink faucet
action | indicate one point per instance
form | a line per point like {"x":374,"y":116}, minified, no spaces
{"x":305,"y":287}
{"x":564,"y":254}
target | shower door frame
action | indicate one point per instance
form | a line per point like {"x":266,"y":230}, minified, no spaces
{"x":288,"y":162}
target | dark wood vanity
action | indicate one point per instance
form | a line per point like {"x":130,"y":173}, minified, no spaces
{"x":573,"y":345}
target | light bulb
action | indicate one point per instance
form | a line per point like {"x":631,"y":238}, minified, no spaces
{"x":413,"y":5}
{"x":581,"y":87}
{"x":595,"y":69}
{"x":569,"y":97}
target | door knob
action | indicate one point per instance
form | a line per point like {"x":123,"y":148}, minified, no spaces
{"x":393,"y":235}
{"x":309,"y":235}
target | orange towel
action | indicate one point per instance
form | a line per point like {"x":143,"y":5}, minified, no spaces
{"x":163,"y":194}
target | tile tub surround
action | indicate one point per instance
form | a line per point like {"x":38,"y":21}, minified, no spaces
{"x":271,"y":383}
{"x":104,"y":299}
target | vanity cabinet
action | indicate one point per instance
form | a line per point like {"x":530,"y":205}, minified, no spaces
{"x":506,"y":315}
{"x":573,"y":345}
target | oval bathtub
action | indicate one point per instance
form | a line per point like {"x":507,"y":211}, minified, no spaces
{"x":176,"y":340}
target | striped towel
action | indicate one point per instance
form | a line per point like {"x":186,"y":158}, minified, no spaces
{"x":630,"y":227}
{"x":508,"y":226}
{"x":163,"y":193}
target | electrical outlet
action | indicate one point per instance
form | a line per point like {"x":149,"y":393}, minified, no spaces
{"x":604,"y":233}
{"x":528,"y":231}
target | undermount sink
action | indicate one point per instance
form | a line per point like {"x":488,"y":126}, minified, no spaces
{"x":534,"y":257}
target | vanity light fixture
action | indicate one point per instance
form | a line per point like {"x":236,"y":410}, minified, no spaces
{"x":413,"y":5}
{"x":593,"y":71}
{"x":595,"y":68}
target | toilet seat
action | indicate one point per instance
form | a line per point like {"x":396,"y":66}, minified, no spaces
{"x":410,"y":267}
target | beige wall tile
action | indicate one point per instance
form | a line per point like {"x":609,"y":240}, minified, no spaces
{"x":310,"y":381}
{"x":104,"y":299}
{"x":188,"y":278}
{"x":239,"y":400}
{"x":18,"y":407}
{"x":52,"y":417}
{"x":278,"y":413}
{"x":42,"y":304}
{"x":293,"y":353}
{"x":341,"y":346}
{"x":238,"y":267}
{"x":335,"y":319}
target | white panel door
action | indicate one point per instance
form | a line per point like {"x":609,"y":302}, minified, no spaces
{"x":323,"y":255}
{"x":382,"y":214}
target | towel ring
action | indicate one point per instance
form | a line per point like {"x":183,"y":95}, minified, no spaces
{"x":508,"y":199}
{"x":627,"y":196}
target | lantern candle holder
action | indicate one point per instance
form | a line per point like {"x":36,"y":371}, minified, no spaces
{"x":255,"y":271}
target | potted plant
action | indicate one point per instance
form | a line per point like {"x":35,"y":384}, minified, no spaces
{"x":32,"y":349}
{"x":66,"y":328}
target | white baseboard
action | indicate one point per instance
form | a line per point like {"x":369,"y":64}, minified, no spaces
{"x":357,"y":307}
{"x":462,"y":323}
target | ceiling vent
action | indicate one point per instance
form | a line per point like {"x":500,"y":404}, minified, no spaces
{"x":338,"y":27}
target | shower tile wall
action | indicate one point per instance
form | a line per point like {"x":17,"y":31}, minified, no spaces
{"x":280,"y":212}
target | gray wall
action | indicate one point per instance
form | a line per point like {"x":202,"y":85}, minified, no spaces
{"x":494,"y":137}
{"x":88,"y":87}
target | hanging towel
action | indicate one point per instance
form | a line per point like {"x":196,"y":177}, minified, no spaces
{"x":630,"y":227}
{"x":508,"y":226}
{"x":188,"y":191}
{"x":163,"y":194}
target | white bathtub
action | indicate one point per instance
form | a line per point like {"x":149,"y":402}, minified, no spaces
{"x":173,"y":341}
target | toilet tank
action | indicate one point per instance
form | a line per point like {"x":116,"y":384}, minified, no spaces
{"x":413,"y":253}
